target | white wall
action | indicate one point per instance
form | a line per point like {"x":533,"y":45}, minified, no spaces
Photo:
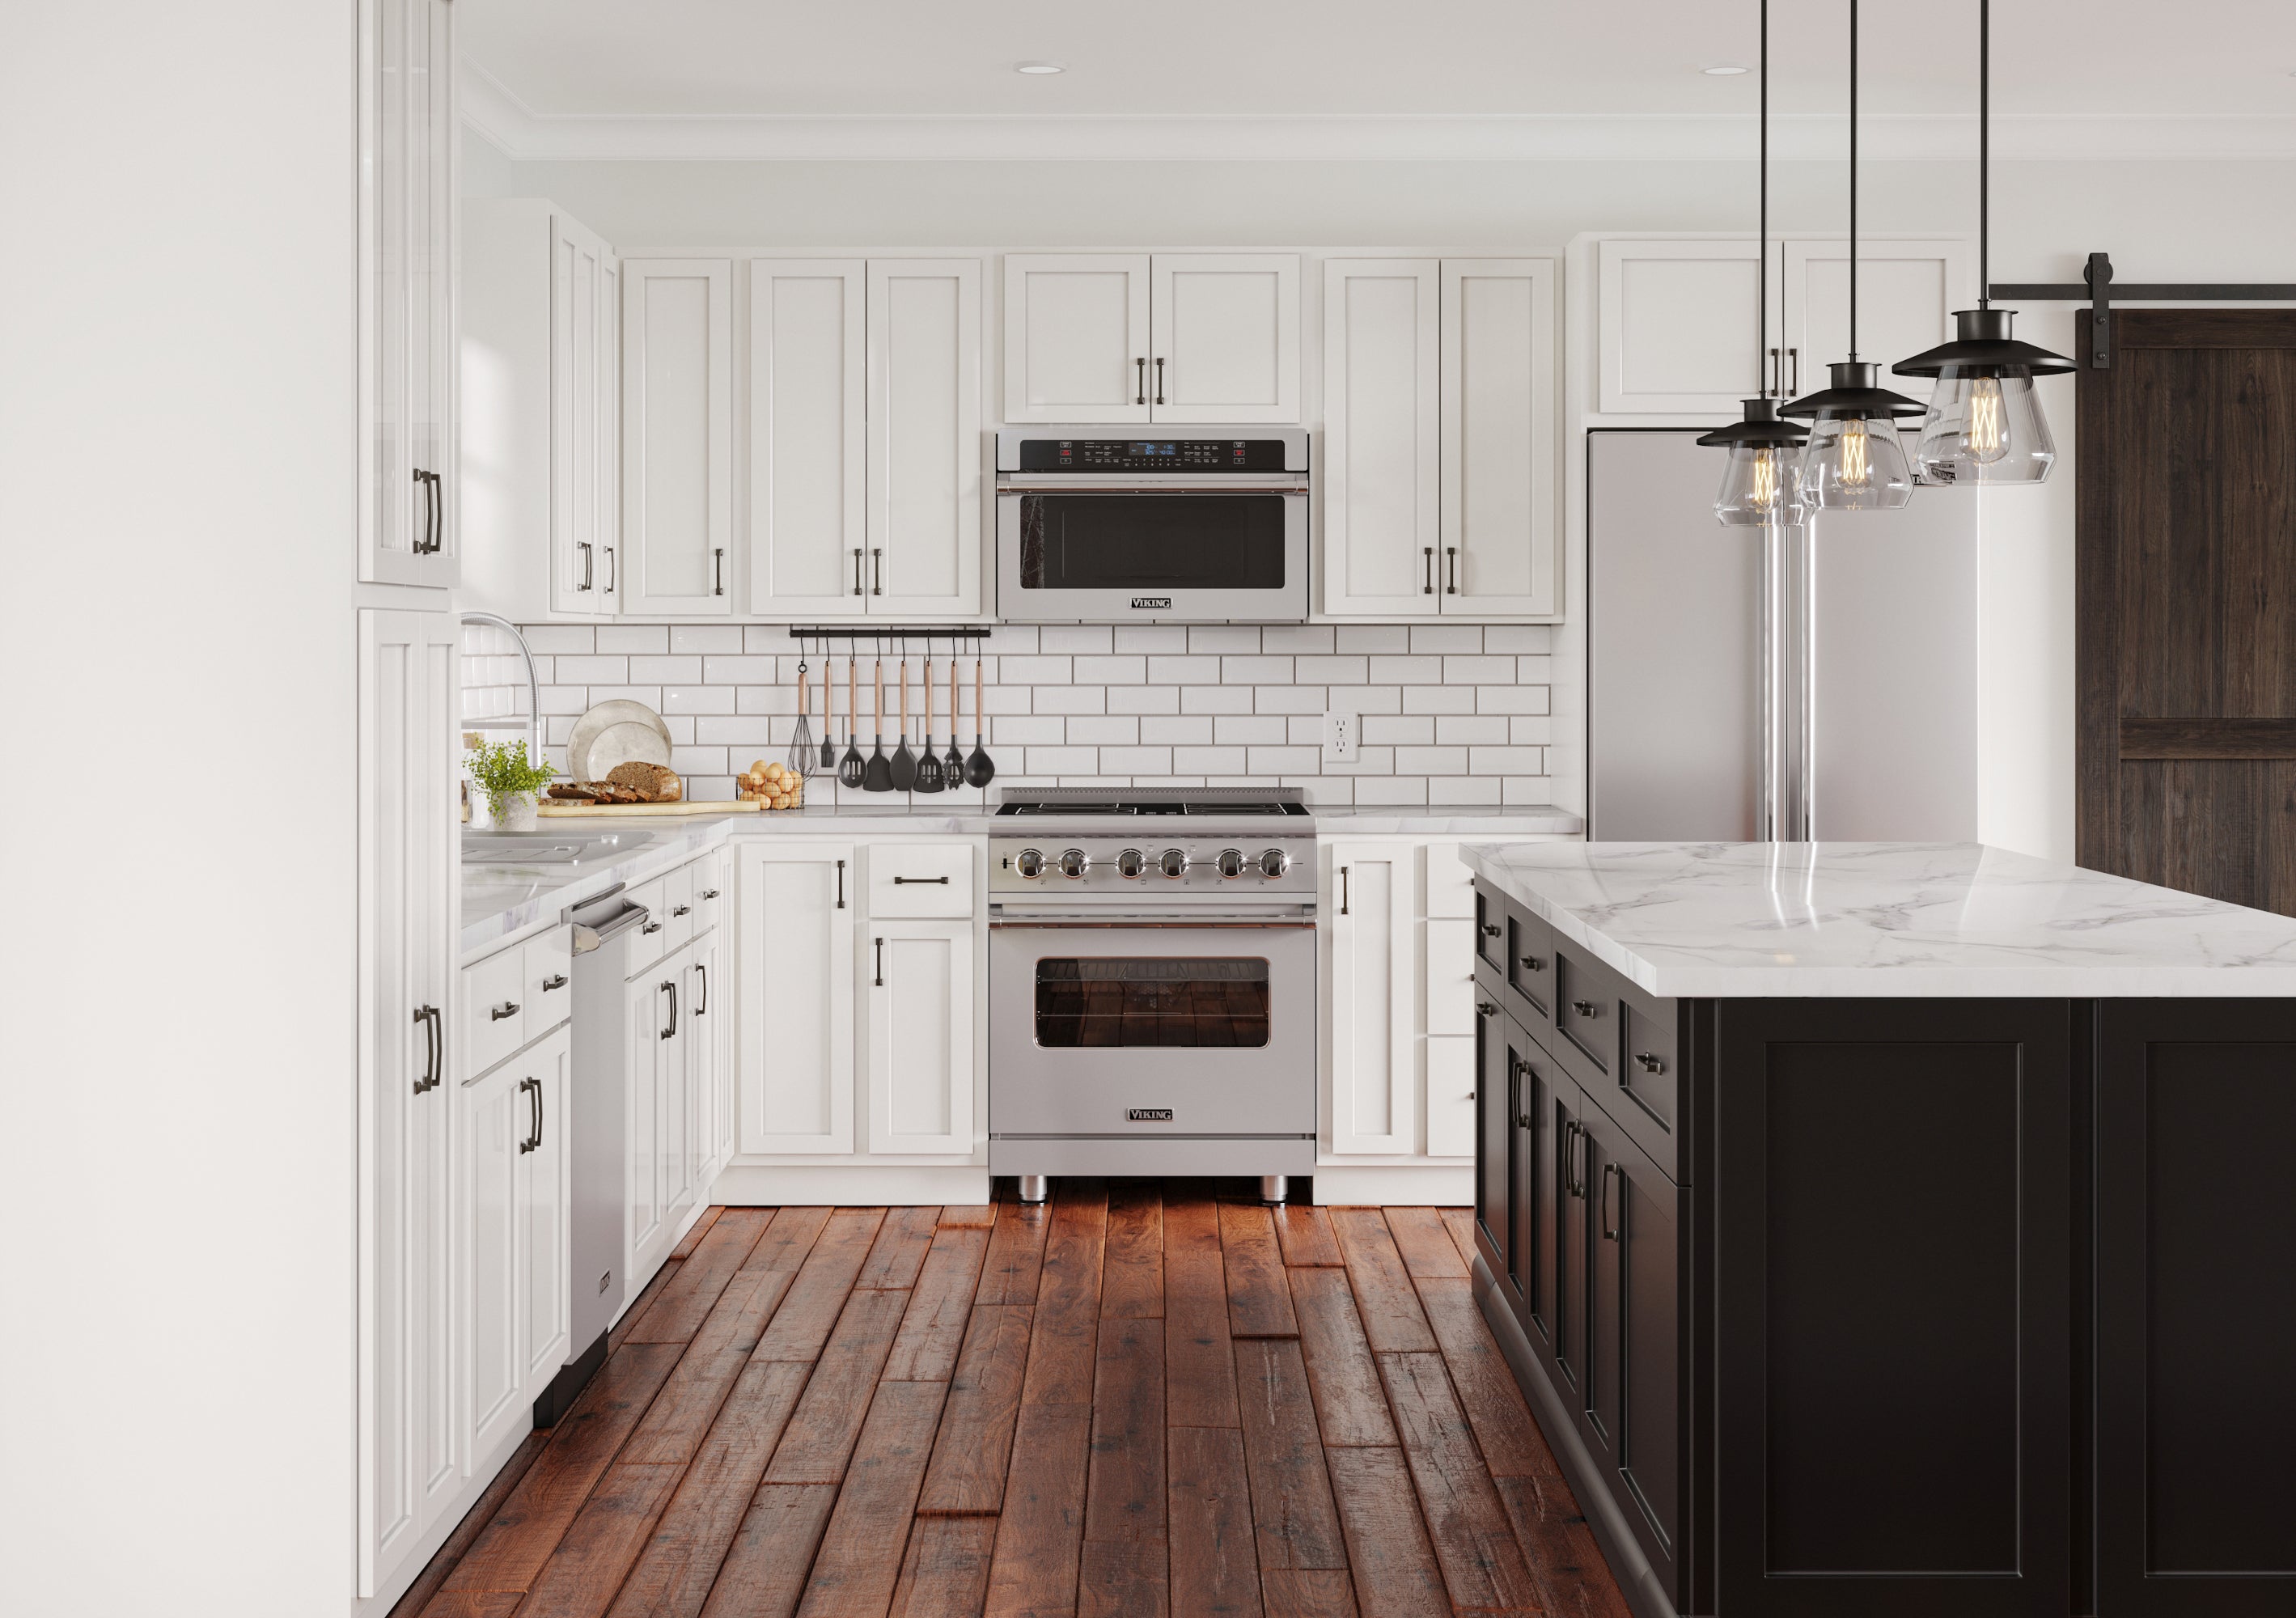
{"x":177,"y":337}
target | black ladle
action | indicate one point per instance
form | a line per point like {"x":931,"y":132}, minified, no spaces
{"x":954,"y":765}
{"x":930,"y":777}
{"x":879,"y":775}
{"x":850,"y":771}
{"x":828,"y":744}
{"x":901,"y":770}
{"x":980,"y":770}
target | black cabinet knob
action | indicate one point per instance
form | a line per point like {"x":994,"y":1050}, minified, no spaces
{"x":1585,"y":1008}
{"x":1651,"y":1061}
{"x":1531,"y":963}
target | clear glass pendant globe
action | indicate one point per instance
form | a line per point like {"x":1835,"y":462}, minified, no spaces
{"x":1761,"y":485}
{"x":1984,"y":429}
{"x":1855,"y":463}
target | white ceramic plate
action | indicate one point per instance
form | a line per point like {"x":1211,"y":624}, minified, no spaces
{"x":586,"y":761}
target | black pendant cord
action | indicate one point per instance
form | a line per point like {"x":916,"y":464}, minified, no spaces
{"x":1984,"y":152}
{"x":1853,"y":181}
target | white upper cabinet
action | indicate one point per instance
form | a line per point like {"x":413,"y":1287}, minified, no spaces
{"x":1076,"y":337}
{"x":1498,"y":437}
{"x":1174,"y":338}
{"x":677,"y":437}
{"x":808,"y":437}
{"x":1380,"y":480}
{"x":1437,"y":481}
{"x":586,"y":416}
{"x":924,"y":448}
{"x":407,"y":328}
{"x":1907,"y":294}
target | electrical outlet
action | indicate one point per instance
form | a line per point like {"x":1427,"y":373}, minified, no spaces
{"x":1340,"y":738}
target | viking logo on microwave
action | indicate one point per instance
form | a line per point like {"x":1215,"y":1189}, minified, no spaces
{"x":1153,"y":604}
{"x":1150,"y":1114}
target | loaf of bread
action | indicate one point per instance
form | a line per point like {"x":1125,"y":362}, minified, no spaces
{"x":653,"y":782}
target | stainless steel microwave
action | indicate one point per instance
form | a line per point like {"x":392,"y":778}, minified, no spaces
{"x":1107,"y":524}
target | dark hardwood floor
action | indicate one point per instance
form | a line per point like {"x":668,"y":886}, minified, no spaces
{"x":1138,"y":1400}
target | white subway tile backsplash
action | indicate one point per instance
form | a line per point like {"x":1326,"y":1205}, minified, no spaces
{"x":695,"y":639}
{"x":1184,"y":670}
{"x":1398,"y":729}
{"x":1070,"y":699}
{"x":588,"y":671}
{"x":1331,"y":670}
{"x":1215,"y":699}
{"x":1304,"y":729}
{"x":1460,"y":729}
{"x":1462,"y":789}
{"x":1511,"y":698}
{"x":1279,"y":760}
{"x":1256,"y":670}
{"x":1209,"y":760}
{"x":1375,"y":637}
{"x":634,"y":638}
{"x":1439,"y":698}
{"x":1447,"y":637}
{"x":1477,"y":671}
{"x":1222,"y":637}
{"x":1103,"y":730}
{"x":1152,"y":637}
{"x":1074,"y":637}
{"x":1062,"y":761}
{"x":1518,"y":637}
{"x":1246,"y":728}
{"x":751,"y":671}
{"x":1391,"y":789}
{"x":1135,"y":760}
{"x":1507,"y":760}
{"x":1176,"y":729}
{"x":1032,"y":670}
{"x":1364,"y":700}
{"x":1110,"y":670}
{"x":708,"y":699}
{"x":1026,"y":729}
{"x":741,"y":730}
{"x":1407,"y":670}
{"x":667,"y":671}
{"x":576,"y":638}
{"x":1296,"y":637}
{"x":1009,"y":698}
{"x":1143,"y":699}
{"x":1289,"y":698}
{"x":1432,"y":761}
{"x":1528,"y":730}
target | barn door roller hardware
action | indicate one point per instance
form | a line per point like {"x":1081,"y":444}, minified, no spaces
{"x":2097,"y":288}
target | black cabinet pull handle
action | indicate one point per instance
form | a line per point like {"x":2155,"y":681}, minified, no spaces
{"x":508,"y":1008}
{"x":1159,"y":379}
{"x":1140,"y":382}
{"x":1451,"y":570}
{"x":1587,"y":1008}
{"x":857,"y":569}
{"x":718,"y":572}
{"x":1427,"y":554}
{"x":1531,"y":963}
{"x":1573,"y":1182}
{"x":613,"y":570}
{"x":1653,"y":1063}
{"x":670,"y":1032}
{"x":877,"y":572}
{"x":589,"y":561}
{"x":556,"y":979}
{"x":533,"y":1088}
{"x":1343,"y":890}
{"x":428,"y":1015}
{"x":651,"y":927}
{"x":439,"y":530}
{"x":1609,"y":1231}
{"x":702,"y":970}
{"x":682,"y":910}
{"x":1490,"y":929}
{"x":840,"y":884}
{"x":1484,"y":1009}
{"x":709,"y":893}
{"x":922,"y":882}
{"x":881,"y":963}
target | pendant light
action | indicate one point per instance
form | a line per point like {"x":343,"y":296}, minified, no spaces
{"x":1853,"y":460}
{"x":1762,"y":483}
{"x":1985,"y":423}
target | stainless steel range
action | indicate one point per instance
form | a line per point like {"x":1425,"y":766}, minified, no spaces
{"x":1151,"y":985}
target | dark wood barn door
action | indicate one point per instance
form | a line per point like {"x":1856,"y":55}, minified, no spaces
{"x":2186,"y":578}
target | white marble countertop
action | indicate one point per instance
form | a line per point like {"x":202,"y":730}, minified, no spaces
{"x":1844,"y":919}
{"x":1444,"y":820}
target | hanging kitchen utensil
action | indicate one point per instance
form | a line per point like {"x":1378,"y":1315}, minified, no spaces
{"x":850,"y":770}
{"x":931,"y":776}
{"x":901,"y":770}
{"x":828,"y":731}
{"x":879,"y":775}
{"x":800,"y":753}
{"x":980,"y":770}
{"x":952,"y":766}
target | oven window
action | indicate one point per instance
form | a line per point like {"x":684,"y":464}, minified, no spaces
{"x":1099,"y":1002}
{"x":1162,"y":543}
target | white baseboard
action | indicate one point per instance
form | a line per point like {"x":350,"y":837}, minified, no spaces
{"x":1429,"y":1186}
{"x":852,"y":1185}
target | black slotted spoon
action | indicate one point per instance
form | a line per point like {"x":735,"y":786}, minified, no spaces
{"x":878,"y":776}
{"x":930,"y":777}
{"x":850,"y":771}
{"x":952,"y":766}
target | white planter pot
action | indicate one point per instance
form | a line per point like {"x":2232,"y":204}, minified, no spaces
{"x":518,"y":814}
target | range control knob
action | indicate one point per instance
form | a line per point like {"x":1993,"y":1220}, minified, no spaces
{"x":1231,"y":862}
{"x":1131,"y":864}
{"x":1174,"y":863}
{"x":1030,"y":863}
{"x":1274,"y":863}
{"x":1075,"y":862}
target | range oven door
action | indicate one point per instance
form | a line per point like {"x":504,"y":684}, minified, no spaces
{"x":1131,"y":1032}
{"x":1110,"y":550}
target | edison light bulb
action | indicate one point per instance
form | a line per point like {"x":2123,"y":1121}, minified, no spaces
{"x":1761,"y":485}
{"x":1985,"y":429}
{"x":1854,"y":463}
{"x":1986,"y":438}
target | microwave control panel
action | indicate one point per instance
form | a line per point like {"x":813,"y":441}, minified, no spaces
{"x":1153,"y":455}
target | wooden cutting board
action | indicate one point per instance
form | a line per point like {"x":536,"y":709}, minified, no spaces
{"x":562,"y":808}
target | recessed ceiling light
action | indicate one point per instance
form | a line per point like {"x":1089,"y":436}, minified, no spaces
{"x":1724,"y":70}
{"x":1054,"y":67}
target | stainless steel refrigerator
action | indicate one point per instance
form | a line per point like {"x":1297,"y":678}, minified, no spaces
{"x":1879,"y":608}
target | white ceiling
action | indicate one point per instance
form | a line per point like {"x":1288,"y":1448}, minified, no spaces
{"x":658,"y":78}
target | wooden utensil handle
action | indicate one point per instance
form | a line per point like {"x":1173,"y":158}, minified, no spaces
{"x":905,"y":696}
{"x":852,"y":692}
{"x":877,"y":702}
{"x":952,"y":702}
{"x":928,"y":690}
{"x":800,"y":694}
{"x":976,"y":693}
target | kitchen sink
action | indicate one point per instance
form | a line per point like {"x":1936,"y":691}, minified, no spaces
{"x":545,"y":848}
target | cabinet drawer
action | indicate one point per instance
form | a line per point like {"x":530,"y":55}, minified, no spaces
{"x":1451,"y":971}
{"x":1530,"y":968}
{"x":1450,"y":1097}
{"x":1587,"y":1009}
{"x":494,"y":1010}
{"x":1450,"y":884}
{"x":651,"y":942}
{"x":548,"y":978}
{"x":709,"y":890}
{"x":1490,"y":928}
{"x":929,"y":880}
{"x":1621,"y":1046}
{"x":678,"y":908}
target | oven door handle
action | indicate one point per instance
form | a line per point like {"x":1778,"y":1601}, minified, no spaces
{"x":1134,"y":924}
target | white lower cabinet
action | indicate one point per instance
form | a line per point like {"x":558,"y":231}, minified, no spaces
{"x":514,"y":1252}
{"x":794,"y":905}
{"x":660,"y":1179}
{"x":920,"y":1036}
{"x":709,"y":1060}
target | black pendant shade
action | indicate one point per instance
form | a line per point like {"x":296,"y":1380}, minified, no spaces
{"x":1857,"y":390}
{"x":1761,"y":426}
{"x":1982,"y":347}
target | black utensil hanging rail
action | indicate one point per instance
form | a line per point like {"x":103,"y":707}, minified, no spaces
{"x":2097,"y":288}
{"x":892,"y":632}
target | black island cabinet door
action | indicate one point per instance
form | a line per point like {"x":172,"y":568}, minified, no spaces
{"x":1537,"y":1250}
{"x":1494,"y":1116}
{"x":1892,"y":1254}
{"x":2197,"y":1310}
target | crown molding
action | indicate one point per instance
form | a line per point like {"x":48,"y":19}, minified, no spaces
{"x":522,"y":133}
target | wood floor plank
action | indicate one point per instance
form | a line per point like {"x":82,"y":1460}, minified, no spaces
{"x":902,"y":1242}
{"x":1199,"y":1357}
{"x":1474,"y":1543}
{"x":417,"y":1594}
{"x":970,"y":1457}
{"x":789,"y":1239}
{"x":1573,"y":1578}
{"x":1461,"y":1223}
{"x":765,"y":1567}
{"x":1016,"y":1250}
{"x":975,"y":1216}
{"x":1125,"y":1579}
{"x":1306,"y":1233}
{"x":1258,"y":1299}
{"x":1510,"y":1440}
{"x":686,"y":1302}
{"x":1393,"y":1320}
{"x":860,"y":1562}
{"x":698,"y":1229}
{"x":941,"y":1304}
{"x":1214,"y":1569}
{"x":1033,"y":1574}
{"x":820,"y":1437}
{"x":586,"y":1570}
{"x":1292,"y":1508}
{"x":1132,"y":1269}
{"x":474,"y":1603}
{"x":635,"y":1314}
{"x":946,"y":1573}
{"x":1068,"y":1301}
{"x":1351,"y":1404}
{"x":818,"y":1296}
{"x":1124,"y":1495}
{"x":681,"y":1558}
{"x":1306,"y":1592}
{"x":1428,"y":1250}
{"x":509,"y":1553}
{"x":1394,"y":1566}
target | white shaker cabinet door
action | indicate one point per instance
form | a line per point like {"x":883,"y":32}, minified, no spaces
{"x":1498,"y":437}
{"x":921,"y":996}
{"x":808,"y":437}
{"x":794,"y":909}
{"x":1907,"y":294}
{"x":924,"y":436}
{"x":1676,"y":326}
{"x":1076,"y":337}
{"x":651,"y":1031}
{"x":709,"y":1058}
{"x":1227,"y":337}
{"x":1380,"y":480}
{"x":677,"y":437}
{"x":545,"y":1193}
{"x":1373,"y":907}
{"x":494,"y":1131}
{"x":1450,"y":1097}
{"x":585,"y":417}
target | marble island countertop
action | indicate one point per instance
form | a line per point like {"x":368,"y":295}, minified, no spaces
{"x":1939,"y":920}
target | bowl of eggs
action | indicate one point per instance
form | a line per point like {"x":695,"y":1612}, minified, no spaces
{"x":775,"y":787}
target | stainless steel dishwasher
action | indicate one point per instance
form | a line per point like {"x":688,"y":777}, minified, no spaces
{"x":597,"y":1121}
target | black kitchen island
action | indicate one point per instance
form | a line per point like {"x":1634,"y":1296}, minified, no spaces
{"x":1892,"y":1229}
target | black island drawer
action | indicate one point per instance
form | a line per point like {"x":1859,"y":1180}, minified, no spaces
{"x":1623,"y":1046}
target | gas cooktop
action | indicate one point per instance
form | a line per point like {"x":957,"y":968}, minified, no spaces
{"x":1223,"y":803}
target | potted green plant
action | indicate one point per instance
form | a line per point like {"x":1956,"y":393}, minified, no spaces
{"x":509,"y":781}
